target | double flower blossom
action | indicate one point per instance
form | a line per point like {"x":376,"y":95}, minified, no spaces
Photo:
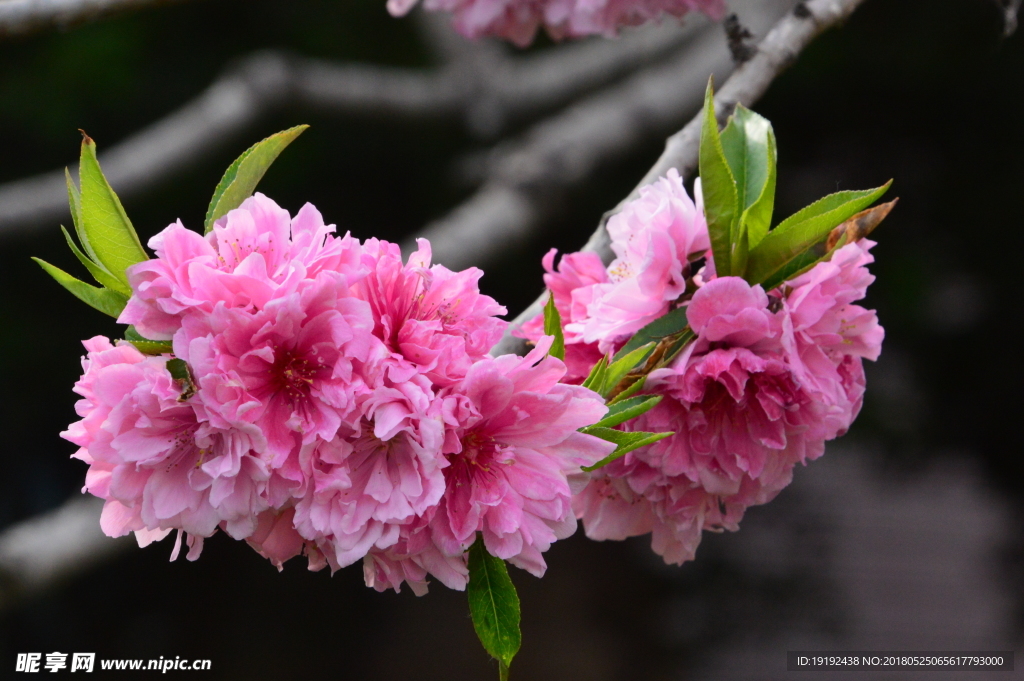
{"x":341,"y":404}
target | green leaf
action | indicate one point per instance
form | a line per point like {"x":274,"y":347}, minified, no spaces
{"x":656,"y":331}
{"x":105,"y":300}
{"x":626,"y":442}
{"x":98,"y":273}
{"x":145,"y":345}
{"x":618,"y":369}
{"x":772,"y":262}
{"x":75,"y":203}
{"x":182,"y":375}
{"x":494,"y":606}
{"x":109,"y":235}
{"x":625,"y":410}
{"x":242,"y":176}
{"x":680,"y":342}
{"x":748,"y":143}
{"x":148,"y":347}
{"x":854,"y":229}
{"x":631,"y":390}
{"x":721,"y":198}
{"x":595,"y":379}
{"x":553,"y":327}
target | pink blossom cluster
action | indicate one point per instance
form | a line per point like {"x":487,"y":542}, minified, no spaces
{"x":518,"y":20}
{"x":769,"y":379}
{"x":339,"y":404}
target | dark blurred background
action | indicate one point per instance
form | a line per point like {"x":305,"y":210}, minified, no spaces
{"x":906,"y":535}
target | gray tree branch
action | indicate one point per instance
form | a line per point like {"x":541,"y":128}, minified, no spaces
{"x":778,"y":50}
{"x":486,"y":93}
{"x":42,"y":551}
{"x":23,"y":17}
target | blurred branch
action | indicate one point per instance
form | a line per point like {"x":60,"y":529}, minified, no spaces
{"x":1010,"y":8}
{"x":524,"y":179}
{"x":778,"y":50}
{"x":22,"y":17}
{"x":486,"y":93}
{"x":42,"y":551}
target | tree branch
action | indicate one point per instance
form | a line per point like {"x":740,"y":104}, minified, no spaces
{"x":45,"y":550}
{"x":524,"y":179}
{"x":486,"y":97}
{"x":778,"y":50}
{"x":23,"y":17}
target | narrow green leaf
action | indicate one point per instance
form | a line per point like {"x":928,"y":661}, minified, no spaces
{"x":769,"y":262}
{"x":109,"y":234}
{"x":75,"y":203}
{"x":631,"y":390}
{"x":553,"y":327}
{"x":662,"y":327}
{"x":105,"y":300}
{"x":242,"y":176}
{"x":626,"y":442}
{"x":132,"y":334}
{"x":625,"y":410}
{"x":748,"y":143}
{"x":595,"y":379}
{"x":618,"y":369}
{"x":855,"y":228}
{"x":494,"y":605}
{"x":758,"y":215}
{"x":675,"y":348}
{"x":721,"y":199}
{"x":145,"y":345}
{"x":103,"y":277}
{"x":155,"y":348}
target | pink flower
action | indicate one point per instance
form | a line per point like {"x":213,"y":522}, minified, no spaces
{"x":276,"y":539}
{"x":744,"y":408}
{"x":825,"y":335}
{"x":414,"y":557}
{"x":157,"y":466}
{"x":429,"y":316}
{"x":252,"y":254}
{"x":518,"y":20}
{"x":576,"y":273}
{"x":769,"y":379}
{"x":375,"y":478}
{"x":292,"y":369}
{"x":514,"y":457}
{"x":654,"y":237}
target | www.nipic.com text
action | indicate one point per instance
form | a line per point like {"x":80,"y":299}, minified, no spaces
{"x":86,"y":662}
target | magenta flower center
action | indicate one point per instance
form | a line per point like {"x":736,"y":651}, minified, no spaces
{"x":293,"y":374}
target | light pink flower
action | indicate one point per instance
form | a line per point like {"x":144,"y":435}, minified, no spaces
{"x":253,"y":254}
{"x":433,"y":318}
{"x":518,"y":20}
{"x":155,"y":464}
{"x":515,"y":456}
{"x":654,"y":237}
{"x":577,"y":272}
